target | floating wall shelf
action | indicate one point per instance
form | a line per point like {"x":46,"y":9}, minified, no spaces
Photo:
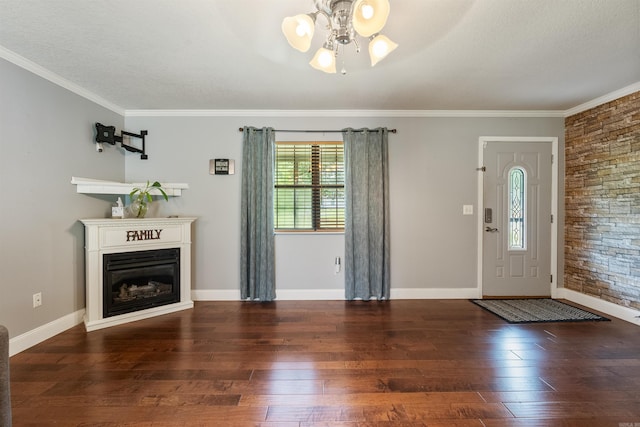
{"x":97,"y":186}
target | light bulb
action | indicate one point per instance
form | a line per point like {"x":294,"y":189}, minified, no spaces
{"x":370,"y":16}
{"x":303,"y":28}
{"x":325,"y":58}
{"x":298,"y":30}
{"x":367,"y":11}
{"x":379,"y":47}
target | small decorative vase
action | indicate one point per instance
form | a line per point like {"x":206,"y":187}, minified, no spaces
{"x":138,"y":209}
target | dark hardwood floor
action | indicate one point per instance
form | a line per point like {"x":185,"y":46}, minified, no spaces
{"x":401,"y":363}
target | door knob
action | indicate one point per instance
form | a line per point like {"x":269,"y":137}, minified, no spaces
{"x":490,"y":229}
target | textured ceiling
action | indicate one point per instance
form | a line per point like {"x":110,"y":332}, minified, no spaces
{"x":231,"y":54}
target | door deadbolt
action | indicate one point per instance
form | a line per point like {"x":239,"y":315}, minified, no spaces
{"x":488,"y":215}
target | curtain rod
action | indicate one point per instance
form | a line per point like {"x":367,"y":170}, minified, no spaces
{"x":317,"y":131}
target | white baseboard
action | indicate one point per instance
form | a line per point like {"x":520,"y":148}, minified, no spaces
{"x":215,"y":295}
{"x":435,"y":293}
{"x":338,"y":294}
{"x":628,"y":314}
{"x":44,"y":332}
{"x":309,"y":294}
{"x":281,"y":294}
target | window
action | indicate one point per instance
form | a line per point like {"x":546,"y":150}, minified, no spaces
{"x":516,"y":209}
{"x":309,"y":186}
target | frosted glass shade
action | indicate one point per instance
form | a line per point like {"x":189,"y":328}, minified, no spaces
{"x":379,"y":48}
{"x":299,"y":31}
{"x":324,"y":60}
{"x":370,"y":16}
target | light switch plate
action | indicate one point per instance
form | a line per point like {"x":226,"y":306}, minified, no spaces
{"x":467,"y":209}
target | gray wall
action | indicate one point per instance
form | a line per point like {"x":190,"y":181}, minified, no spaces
{"x":46,"y":135}
{"x":46,"y":138}
{"x":432,"y":174}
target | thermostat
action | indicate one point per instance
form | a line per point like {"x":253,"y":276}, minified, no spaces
{"x":221,"y":167}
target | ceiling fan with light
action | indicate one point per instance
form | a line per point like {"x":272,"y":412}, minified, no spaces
{"x":345,"y":19}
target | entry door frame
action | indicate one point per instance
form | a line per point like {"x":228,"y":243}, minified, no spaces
{"x":482,"y":141}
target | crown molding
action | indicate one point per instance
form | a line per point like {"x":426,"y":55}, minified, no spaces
{"x":40,"y":71}
{"x":78,"y":90}
{"x":343,"y":113}
{"x":628,"y":90}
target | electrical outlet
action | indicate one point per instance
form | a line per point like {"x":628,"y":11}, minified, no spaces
{"x":37,"y":299}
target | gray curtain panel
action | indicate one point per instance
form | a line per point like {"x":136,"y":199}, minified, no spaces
{"x":366,"y":214}
{"x":257,"y":257}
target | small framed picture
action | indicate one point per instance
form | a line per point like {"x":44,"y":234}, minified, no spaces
{"x":221,"y":167}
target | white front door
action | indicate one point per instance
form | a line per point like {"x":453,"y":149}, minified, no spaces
{"x":516,"y":217}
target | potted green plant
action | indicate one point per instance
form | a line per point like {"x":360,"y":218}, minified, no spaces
{"x":141,"y":197}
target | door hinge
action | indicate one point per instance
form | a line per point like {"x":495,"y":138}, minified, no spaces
{"x":481,"y":169}
{"x":552,"y":159}
{"x":552,"y":278}
{"x":551,"y":218}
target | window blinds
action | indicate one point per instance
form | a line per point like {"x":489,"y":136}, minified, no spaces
{"x":309,"y":186}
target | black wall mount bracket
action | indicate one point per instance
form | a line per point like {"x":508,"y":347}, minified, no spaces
{"x":107,"y":134}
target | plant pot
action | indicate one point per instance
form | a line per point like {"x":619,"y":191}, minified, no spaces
{"x":137,"y":209}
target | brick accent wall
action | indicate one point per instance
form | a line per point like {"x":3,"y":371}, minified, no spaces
{"x":602,"y":202}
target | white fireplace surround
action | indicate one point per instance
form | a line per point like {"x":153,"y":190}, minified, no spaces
{"x":108,"y":236}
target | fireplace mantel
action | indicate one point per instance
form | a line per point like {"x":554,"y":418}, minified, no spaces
{"x":97,"y":186}
{"x":107,"y":236}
